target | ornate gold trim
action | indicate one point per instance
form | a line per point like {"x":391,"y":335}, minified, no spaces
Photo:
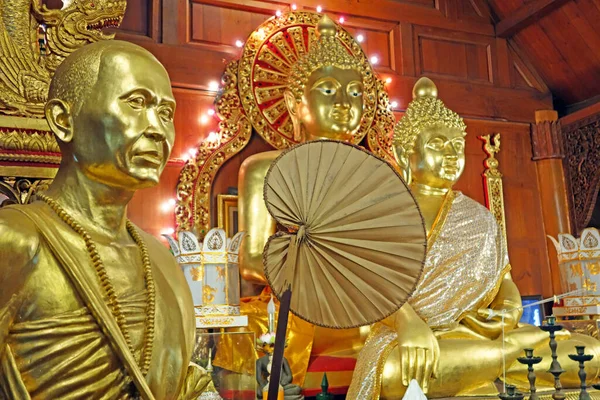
{"x":224,"y":203}
{"x":28,"y":172}
{"x":192,"y":212}
{"x":25,"y":139}
{"x":492,"y":180}
{"x":381,"y":135}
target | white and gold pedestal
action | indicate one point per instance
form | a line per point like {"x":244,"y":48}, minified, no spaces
{"x":579,"y":263}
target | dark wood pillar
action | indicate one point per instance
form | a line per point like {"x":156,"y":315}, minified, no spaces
{"x":546,"y":139}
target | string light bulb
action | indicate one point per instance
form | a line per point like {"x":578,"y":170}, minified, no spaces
{"x":294,"y":7}
{"x":388,"y":80}
{"x":319,"y":9}
{"x":213,"y":86}
{"x":394,"y":104}
{"x":193,"y":151}
{"x":211,"y":112}
{"x":342,"y":20}
{"x":278,"y":13}
{"x":239,"y":43}
{"x":374,"y":60}
{"x":360,"y":38}
{"x":203,"y":119}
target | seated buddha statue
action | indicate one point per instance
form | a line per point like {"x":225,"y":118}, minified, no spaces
{"x":324,"y":100}
{"x":448,"y":336}
{"x":91,"y":306}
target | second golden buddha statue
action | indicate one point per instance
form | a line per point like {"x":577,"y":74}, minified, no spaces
{"x":448,"y":336}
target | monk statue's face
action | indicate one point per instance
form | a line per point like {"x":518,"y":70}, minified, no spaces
{"x":331,"y":106}
{"x":124,"y":133}
{"x":439,"y":157}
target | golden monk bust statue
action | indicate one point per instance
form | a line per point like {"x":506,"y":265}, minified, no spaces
{"x":90,"y":306}
{"x":449,"y":335}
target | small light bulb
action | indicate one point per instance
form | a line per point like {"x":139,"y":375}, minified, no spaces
{"x":388,"y":80}
{"x":172,"y":202}
{"x":294,"y":7}
{"x":360,"y":38}
{"x":239,"y":43}
{"x":166,"y":207}
{"x":211,"y":112}
{"x":374,"y":60}
{"x":192,"y":152}
{"x":203,"y":119}
{"x":342,"y":20}
{"x":213,"y":86}
{"x":278,"y":13}
{"x":394,"y":104}
{"x":319,"y":9}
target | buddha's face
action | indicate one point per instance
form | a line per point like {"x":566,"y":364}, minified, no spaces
{"x":438,"y":160}
{"x":332,"y":104}
{"x":124,"y":131}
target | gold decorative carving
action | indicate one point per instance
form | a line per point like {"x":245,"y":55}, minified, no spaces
{"x":381,"y":135}
{"x":492,"y":180}
{"x":193,"y":190}
{"x":34,"y":40}
{"x":253,"y":98}
{"x":19,"y":190}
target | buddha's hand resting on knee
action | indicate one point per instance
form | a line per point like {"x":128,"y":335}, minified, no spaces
{"x":418,"y":347}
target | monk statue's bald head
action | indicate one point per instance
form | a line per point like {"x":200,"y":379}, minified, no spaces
{"x":111,"y":108}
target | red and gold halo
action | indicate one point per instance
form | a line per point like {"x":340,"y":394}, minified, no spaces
{"x":266,"y":63}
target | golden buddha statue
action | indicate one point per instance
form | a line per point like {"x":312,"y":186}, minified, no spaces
{"x":448,"y":337}
{"x":324,"y":100}
{"x":90,"y":306}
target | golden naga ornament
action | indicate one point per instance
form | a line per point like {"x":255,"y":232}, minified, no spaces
{"x":280,"y":54}
{"x":28,"y":60}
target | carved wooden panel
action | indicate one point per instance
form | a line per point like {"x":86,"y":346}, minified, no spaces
{"x":581,"y":141}
{"x":142,"y":18}
{"x":425,"y":3}
{"x":452,"y":54}
{"x":224,"y":23}
{"x":380,"y":40}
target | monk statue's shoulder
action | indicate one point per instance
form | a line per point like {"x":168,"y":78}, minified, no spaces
{"x":19,"y":247}
{"x":19,"y":237}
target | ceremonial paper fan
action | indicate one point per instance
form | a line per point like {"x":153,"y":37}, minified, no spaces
{"x":355,"y":241}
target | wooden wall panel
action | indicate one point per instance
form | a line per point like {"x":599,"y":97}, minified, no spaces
{"x":454,"y":55}
{"x":223,"y":25}
{"x":524,"y":220}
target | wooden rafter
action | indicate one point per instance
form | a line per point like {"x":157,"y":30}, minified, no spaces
{"x":525,"y":16}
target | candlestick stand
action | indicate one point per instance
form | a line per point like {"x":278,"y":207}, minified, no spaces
{"x":555,"y":369}
{"x":530,"y":361}
{"x":582,"y":358}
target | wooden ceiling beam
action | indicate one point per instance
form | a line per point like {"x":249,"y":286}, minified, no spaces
{"x":525,"y":16}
